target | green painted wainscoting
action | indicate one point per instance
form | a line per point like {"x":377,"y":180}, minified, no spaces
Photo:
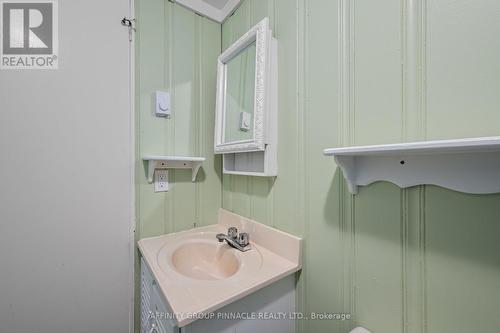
{"x":176,"y":51}
{"x":420,"y":260}
{"x":355,"y":72}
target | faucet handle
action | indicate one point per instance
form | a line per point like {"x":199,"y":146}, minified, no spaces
{"x":232,"y":232}
{"x":244,"y":239}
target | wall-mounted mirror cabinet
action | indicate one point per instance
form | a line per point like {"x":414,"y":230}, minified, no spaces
{"x":246,"y":108}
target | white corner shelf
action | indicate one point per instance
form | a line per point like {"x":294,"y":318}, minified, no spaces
{"x":172,"y":162}
{"x":464,"y":165}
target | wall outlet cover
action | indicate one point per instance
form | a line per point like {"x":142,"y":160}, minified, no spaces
{"x":161,"y":180}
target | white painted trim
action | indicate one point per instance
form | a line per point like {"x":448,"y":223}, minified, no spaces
{"x":205,"y":9}
{"x":132,"y":245}
{"x":261,"y":35}
{"x":464,"y":165}
{"x":439,"y":146}
{"x":229,"y":9}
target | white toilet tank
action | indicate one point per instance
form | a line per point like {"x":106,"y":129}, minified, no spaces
{"x":360,"y":330}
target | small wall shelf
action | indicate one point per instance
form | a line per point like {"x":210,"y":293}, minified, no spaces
{"x":172,"y":162}
{"x":464,"y":165}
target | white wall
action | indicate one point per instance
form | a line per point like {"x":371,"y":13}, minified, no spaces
{"x":65,"y":181}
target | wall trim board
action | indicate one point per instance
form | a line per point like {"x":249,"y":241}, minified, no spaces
{"x":132,"y":175}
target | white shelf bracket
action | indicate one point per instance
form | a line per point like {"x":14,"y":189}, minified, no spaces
{"x":347,"y":164}
{"x":151,"y":171}
{"x":195,"y":169}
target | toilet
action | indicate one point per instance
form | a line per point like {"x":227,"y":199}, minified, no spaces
{"x":360,"y":330}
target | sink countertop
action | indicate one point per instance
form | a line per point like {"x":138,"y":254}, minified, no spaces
{"x":274,"y":255}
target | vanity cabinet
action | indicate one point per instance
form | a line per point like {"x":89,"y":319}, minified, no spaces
{"x":275,"y":304}
{"x":153,"y":306}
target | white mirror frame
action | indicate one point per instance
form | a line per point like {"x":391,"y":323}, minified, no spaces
{"x":262,"y":35}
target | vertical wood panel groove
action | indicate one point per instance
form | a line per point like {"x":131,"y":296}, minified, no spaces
{"x":414,"y":70}
{"x":404,"y":258}
{"x":407,"y":45}
{"x":342,"y":240}
{"x":422,"y":82}
{"x":304,"y":154}
{"x":271,"y":201}
{"x":341,"y":139}
{"x":197,"y":102}
{"x":423,"y":68}
{"x":250,"y":180}
{"x":422,"y":257}
{"x":353,"y":261}
{"x":347,"y":137}
{"x":137,"y":123}
{"x":352,"y":74}
{"x":171,"y":36}
{"x":272,"y":181}
{"x":346,"y":132}
{"x":301,"y":121}
{"x":167,"y":78}
{"x":404,"y":70}
{"x":346,"y":70}
{"x":414,"y":128}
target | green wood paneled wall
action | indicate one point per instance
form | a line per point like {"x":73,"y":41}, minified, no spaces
{"x":176,"y":51}
{"x":424,"y":259}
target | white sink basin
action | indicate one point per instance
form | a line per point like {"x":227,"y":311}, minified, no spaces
{"x":199,"y":256}
{"x":205,"y":260}
{"x":198,"y":275}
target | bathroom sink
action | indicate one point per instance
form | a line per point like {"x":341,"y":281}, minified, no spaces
{"x":205,"y":260}
{"x":198,"y":256}
{"x":197,"y":274}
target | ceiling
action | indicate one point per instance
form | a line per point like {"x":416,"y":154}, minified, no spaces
{"x":217,"y":10}
{"x":219,"y":4}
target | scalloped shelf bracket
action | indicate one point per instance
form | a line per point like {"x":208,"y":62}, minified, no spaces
{"x":172,"y":162}
{"x":464,"y":165}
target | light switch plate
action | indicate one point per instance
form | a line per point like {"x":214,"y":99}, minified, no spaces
{"x":162,"y":101}
{"x":245,"y":121}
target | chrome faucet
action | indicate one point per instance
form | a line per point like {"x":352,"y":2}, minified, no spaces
{"x":240,"y":242}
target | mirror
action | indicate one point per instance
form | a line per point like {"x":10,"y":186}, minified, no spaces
{"x":242,"y":92}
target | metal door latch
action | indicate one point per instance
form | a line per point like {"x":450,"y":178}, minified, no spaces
{"x":129,"y":23}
